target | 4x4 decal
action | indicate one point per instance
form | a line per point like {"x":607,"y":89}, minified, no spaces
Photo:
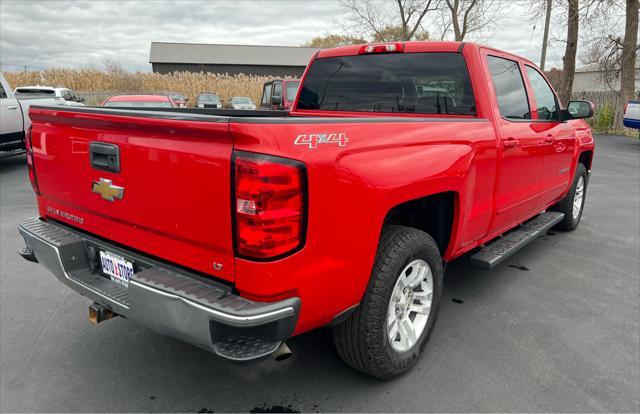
{"x":313,"y":140}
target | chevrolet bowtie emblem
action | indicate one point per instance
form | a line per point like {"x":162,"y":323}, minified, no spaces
{"x":107,"y":190}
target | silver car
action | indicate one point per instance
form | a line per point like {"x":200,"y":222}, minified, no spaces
{"x":241,"y":102}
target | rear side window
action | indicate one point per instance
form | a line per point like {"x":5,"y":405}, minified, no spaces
{"x":422,"y":83}
{"x":509,"y":87}
{"x":545,"y":98}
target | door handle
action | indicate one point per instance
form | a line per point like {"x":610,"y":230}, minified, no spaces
{"x":12,"y":108}
{"x":509,"y":143}
{"x":549,"y":139}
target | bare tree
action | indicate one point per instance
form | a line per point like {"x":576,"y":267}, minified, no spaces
{"x":612,"y":47}
{"x":545,"y":39}
{"x":333,"y":40}
{"x":468,"y":16}
{"x":386,"y":21}
{"x":629,"y":53}
{"x":571,"y":47}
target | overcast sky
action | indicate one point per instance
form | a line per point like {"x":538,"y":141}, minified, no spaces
{"x":52,"y":33}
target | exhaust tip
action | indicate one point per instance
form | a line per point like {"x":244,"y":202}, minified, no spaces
{"x":283,"y":352}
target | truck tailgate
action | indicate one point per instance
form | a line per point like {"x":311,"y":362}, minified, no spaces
{"x":169,"y":196}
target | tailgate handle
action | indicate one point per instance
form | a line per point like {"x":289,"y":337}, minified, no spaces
{"x":105,"y":156}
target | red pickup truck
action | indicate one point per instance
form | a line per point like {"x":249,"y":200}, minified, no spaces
{"x":234,"y":231}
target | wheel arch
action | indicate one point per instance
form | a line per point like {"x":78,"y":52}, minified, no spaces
{"x":586,"y":158}
{"x":435,"y":214}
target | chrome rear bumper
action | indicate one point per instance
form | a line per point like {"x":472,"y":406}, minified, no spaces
{"x":166,"y":299}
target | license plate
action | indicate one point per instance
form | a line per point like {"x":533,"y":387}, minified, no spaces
{"x":118,"y":268}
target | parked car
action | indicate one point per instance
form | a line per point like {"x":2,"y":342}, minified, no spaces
{"x":279,"y":94}
{"x":14,"y":120}
{"x":178,"y":98}
{"x":208,"y":100}
{"x":241,"y":102}
{"x":63,"y":94}
{"x":632,"y":115}
{"x":143,"y":101}
{"x":235,"y":232}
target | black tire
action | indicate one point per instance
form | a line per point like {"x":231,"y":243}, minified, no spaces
{"x":569,"y":222}
{"x":361,"y":340}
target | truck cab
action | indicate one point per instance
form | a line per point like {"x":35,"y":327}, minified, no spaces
{"x":279,"y":94}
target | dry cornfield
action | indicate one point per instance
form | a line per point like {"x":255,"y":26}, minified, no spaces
{"x":96,"y":85}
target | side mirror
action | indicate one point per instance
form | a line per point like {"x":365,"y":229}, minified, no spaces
{"x":80,"y":99}
{"x":579,"y":110}
{"x":276,"y":100}
{"x":186,"y":99}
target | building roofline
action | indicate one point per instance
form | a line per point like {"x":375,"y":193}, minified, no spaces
{"x":233,"y":44}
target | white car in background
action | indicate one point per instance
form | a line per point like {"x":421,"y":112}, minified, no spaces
{"x":632,"y":115}
{"x":69,"y":97}
{"x":14,"y":115}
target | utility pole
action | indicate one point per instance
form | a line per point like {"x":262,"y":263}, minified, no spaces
{"x":545,"y":39}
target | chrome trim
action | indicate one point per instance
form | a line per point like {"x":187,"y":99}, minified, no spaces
{"x":264,"y":317}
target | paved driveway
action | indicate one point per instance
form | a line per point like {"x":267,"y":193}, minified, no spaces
{"x":554,"y":328}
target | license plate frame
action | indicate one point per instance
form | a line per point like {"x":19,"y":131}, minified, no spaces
{"x":118,"y":268}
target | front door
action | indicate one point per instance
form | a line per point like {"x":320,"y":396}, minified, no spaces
{"x":559,"y":139}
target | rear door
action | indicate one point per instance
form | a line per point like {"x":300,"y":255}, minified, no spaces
{"x":159,"y":185}
{"x":520,"y":163}
{"x":559,"y":138}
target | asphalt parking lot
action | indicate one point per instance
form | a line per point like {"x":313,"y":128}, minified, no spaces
{"x":554,"y":328}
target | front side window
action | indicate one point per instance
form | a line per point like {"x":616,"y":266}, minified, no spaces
{"x":509,"y":87}
{"x":545,"y":98}
{"x":421,"y":83}
{"x":3,"y":94}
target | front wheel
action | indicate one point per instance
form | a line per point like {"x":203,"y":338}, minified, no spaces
{"x":385,"y":336}
{"x":573,"y":203}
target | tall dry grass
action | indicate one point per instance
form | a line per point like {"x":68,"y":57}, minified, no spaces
{"x":98,"y":84}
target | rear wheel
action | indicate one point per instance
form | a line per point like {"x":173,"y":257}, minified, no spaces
{"x":573,"y":203}
{"x":386,"y":334}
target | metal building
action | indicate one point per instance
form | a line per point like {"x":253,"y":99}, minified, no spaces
{"x":282,"y":61}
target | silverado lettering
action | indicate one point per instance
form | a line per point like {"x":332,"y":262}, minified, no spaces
{"x":234,"y":239}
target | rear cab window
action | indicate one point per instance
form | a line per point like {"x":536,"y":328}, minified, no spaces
{"x":416,"y":83}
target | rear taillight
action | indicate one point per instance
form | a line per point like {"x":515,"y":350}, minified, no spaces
{"x":269,"y":205}
{"x":32,"y":170}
